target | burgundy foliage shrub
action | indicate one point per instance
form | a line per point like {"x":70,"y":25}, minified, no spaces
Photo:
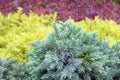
{"x":77,"y":9}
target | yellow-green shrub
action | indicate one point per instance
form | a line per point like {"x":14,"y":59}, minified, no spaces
{"x":17,"y":30}
{"x":107,"y":29}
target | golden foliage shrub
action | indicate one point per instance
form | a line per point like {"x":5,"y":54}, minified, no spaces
{"x":18,"y":30}
{"x":107,"y":29}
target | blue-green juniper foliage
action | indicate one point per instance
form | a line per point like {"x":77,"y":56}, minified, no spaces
{"x":11,"y":70}
{"x":69,"y":53}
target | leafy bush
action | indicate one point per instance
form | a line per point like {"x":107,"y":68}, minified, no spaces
{"x":9,"y":70}
{"x":69,"y":53}
{"x":107,"y":29}
{"x":17,"y":30}
{"x":77,"y":9}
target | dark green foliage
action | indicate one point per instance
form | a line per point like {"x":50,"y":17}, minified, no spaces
{"x":10,"y":70}
{"x":118,"y":1}
{"x":69,"y":53}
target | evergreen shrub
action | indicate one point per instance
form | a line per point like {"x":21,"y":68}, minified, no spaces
{"x":69,"y":53}
{"x":116,"y":48}
{"x":10,"y":70}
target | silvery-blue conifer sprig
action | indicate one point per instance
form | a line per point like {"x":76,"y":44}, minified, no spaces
{"x":116,"y":66}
